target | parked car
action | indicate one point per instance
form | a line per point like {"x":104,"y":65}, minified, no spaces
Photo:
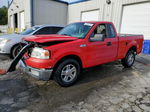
{"x":80,"y":45}
{"x":11,"y":44}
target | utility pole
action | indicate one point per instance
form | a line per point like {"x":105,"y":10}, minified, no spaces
{"x":7,"y":3}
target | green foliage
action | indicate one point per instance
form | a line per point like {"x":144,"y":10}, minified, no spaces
{"x":3,"y":15}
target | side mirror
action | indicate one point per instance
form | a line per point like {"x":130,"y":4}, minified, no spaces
{"x":97,"y":37}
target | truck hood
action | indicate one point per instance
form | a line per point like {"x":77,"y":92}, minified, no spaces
{"x":49,"y":38}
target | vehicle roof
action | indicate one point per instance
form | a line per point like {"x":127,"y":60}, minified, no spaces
{"x":49,"y":25}
{"x":96,"y":22}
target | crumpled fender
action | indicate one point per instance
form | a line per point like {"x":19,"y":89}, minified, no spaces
{"x":19,"y":57}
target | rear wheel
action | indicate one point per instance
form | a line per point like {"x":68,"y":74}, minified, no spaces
{"x":128,"y":61}
{"x":67,"y":72}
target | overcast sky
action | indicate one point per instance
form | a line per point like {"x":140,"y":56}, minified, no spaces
{"x":3,"y":2}
{"x":70,"y":1}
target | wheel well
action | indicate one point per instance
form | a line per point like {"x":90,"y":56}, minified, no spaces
{"x":133,"y":48}
{"x":68,"y":57}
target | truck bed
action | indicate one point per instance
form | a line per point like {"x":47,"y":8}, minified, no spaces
{"x":126,"y":41}
{"x":129,"y":35}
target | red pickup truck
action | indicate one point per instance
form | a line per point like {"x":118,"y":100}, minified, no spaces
{"x":80,"y":45}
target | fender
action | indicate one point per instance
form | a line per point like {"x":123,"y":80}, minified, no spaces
{"x":130,"y":45}
{"x":19,"y":57}
{"x":59,"y":57}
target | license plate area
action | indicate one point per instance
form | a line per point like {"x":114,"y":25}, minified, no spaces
{"x":35,"y":72}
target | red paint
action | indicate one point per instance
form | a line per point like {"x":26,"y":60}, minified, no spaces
{"x":2,"y":72}
{"x":39,"y":63}
{"x":49,"y":38}
{"x":95,"y":53}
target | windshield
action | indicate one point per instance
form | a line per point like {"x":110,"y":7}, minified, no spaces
{"x":78,"y":30}
{"x":29,"y":31}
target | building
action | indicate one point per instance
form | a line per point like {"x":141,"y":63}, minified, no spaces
{"x":26,"y":13}
{"x":129,"y":16}
{"x":3,"y":28}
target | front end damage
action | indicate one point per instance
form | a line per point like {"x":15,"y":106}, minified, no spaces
{"x":20,"y":57}
{"x":17,"y":59}
{"x":41,"y":74}
{"x":25,"y":54}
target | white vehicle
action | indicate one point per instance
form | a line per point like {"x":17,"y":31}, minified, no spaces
{"x":11,"y":44}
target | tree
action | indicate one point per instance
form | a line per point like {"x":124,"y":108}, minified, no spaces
{"x":3,"y":15}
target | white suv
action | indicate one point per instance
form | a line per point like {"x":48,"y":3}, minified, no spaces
{"x":11,"y":44}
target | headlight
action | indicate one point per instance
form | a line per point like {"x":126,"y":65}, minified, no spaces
{"x":40,"y":53}
{"x":3,"y":41}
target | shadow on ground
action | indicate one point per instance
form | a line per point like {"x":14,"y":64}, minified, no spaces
{"x":21,"y":92}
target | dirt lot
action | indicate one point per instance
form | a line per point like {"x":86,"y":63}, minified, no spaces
{"x":105,"y":88}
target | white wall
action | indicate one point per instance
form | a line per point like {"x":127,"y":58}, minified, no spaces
{"x":18,"y":6}
{"x":3,"y":28}
{"x":75,"y":10}
{"x":112,"y":12}
{"x":44,"y":12}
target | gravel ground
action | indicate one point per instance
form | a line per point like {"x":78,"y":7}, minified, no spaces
{"x":105,"y":88}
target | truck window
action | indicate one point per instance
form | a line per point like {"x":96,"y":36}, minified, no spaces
{"x":78,"y":30}
{"x":111,"y":31}
{"x":100,"y":29}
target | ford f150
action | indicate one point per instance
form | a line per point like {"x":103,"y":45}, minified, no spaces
{"x":77,"y":46}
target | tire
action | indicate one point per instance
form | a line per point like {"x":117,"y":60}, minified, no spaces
{"x":128,"y":61}
{"x":67,"y":72}
{"x":15,"y":50}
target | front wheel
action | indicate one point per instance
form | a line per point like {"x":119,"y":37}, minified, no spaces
{"x":128,"y":61}
{"x":67,"y":72}
{"x":15,"y":50}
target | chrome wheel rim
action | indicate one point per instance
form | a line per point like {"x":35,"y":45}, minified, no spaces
{"x":68,"y":73}
{"x":130,"y":59}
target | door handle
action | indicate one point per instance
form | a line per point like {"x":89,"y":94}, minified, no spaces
{"x":109,"y":43}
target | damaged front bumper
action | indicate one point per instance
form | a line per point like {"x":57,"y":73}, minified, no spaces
{"x":41,"y":74}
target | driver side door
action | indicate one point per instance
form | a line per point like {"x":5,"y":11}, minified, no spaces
{"x":97,"y":54}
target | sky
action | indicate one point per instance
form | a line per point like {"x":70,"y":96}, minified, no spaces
{"x":3,"y":3}
{"x":71,"y":1}
{"x":68,"y":0}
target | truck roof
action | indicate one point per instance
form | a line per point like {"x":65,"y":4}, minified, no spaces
{"x":96,"y":22}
